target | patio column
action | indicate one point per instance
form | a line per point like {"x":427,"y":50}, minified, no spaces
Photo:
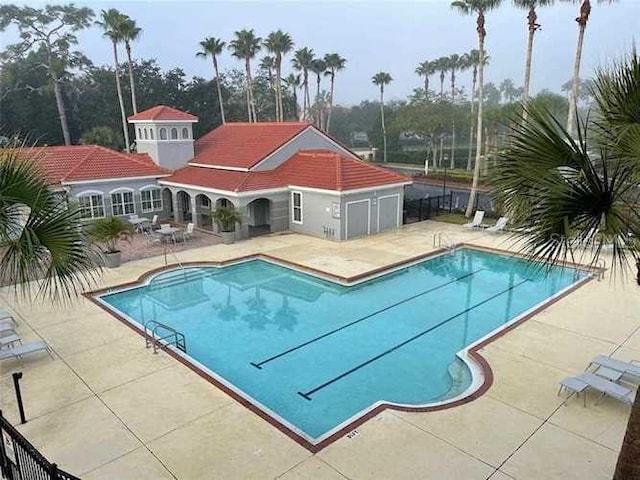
{"x":194,"y":211}
{"x":177,"y":211}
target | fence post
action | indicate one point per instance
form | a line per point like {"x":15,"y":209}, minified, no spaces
{"x":428,"y":209}
{"x":420,"y":210}
{"x":450,"y":200}
{"x":53,"y":471}
{"x":16,"y":383}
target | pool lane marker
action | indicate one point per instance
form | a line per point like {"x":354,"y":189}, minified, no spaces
{"x":324,"y":335}
{"x":307,"y":395}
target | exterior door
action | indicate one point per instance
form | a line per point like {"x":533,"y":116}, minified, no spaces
{"x":388,"y":209}
{"x":357,"y":219}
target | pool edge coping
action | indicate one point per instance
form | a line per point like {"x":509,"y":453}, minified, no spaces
{"x":349,"y":425}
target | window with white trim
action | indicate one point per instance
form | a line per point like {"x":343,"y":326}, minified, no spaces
{"x":163,"y":133}
{"x":122,"y":203}
{"x":296,"y":204}
{"x":185,"y":133}
{"x":91,"y":205}
{"x":174,"y":134}
{"x":151,"y":199}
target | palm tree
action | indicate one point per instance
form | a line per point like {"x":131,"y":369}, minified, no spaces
{"x":292,"y":81}
{"x":426,"y":69}
{"x":381,"y":79}
{"x":279,"y":43}
{"x":582,"y":19}
{"x":302,"y":59}
{"x":472,"y":59}
{"x":456,"y":62}
{"x":534,"y":26}
{"x":111,"y":23}
{"x":557,"y":190}
{"x":130,"y":32}
{"x":39,"y":241}
{"x":318,"y":67}
{"x":442,"y":66}
{"x":267,"y":64}
{"x":478,"y":8}
{"x":246,"y":46}
{"x":334,"y":64}
{"x":212,"y":46}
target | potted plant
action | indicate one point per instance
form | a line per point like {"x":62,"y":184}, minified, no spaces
{"x":226,"y":219}
{"x":107,"y":232}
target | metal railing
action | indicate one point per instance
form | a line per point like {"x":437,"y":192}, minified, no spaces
{"x":19,"y":460}
{"x":173,"y":337}
{"x":424,"y":208}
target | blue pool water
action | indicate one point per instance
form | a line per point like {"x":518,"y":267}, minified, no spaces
{"x":316,"y":353}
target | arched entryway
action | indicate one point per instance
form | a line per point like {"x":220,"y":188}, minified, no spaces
{"x":259,"y":217}
{"x":203,"y":209}
{"x":183,"y":208}
{"x":167,"y":203}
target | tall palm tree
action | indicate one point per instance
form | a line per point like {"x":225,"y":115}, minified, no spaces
{"x":111,"y":23}
{"x":292,"y":81}
{"x":246,"y":46}
{"x":381,"y":79}
{"x":279,"y":43}
{"x":130,"y":32}
{"x":557,"y":190}
{"x":40,"y":243}
{"x":319,"y":68}
{"x":426,"y":69}
{"x":533,"y":26}
{"x":456,"y":62}
{"x":302,"y":59}
{"x":472,"y":59}
{"x":478,"y":8}
{"x":334,"y":64}
{"x":267,"y":63}
{"x":442,"y":66}
{"x":582,"y":19}
{"x":212,"y":46}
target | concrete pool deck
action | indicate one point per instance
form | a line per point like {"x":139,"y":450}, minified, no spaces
{"x":106,"y":407}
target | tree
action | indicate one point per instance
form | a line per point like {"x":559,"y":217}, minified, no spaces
{"x":381,"y":79}
{"x":292,"y":81}
{"x":51,"y":30}
{"x":302,"y":59}
{"x":130,"y":32}
{"x":318,"y":67}
{"x":456,"y":62}
{"x":334,"y":64}
{"x":442,"y":66}
{"x":478,"y":8}
{"x":426,"y":69}
{"x":558,"y":191}
{"x":267,"y":64}
{"x":212,"y":46}
{"x":112,"y":21}
{"x":582,"y":19}
{"x":246,"y":46}
{"x":533,"y":26}
{"x":40,"y":242}
{"x":510,"y":93}
{"x":279,"y":43}
{"x":103,"y":136}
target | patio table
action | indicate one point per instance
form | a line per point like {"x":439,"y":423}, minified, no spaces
{"x":168,"y":232}
{"x":138,"y":222}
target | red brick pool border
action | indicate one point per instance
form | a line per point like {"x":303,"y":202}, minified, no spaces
{"x":314,"y":448}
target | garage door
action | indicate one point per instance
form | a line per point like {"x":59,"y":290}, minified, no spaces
{"x":358,"y":218}
{"x":388,"y":212}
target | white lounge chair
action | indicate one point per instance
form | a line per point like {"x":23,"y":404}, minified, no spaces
{"x":188,"y":231}
{"x":499,"y":226}
{"x":607,"y":388}
{"x":629,"y":369}
{"x":10,"y":340}
{"x":6,"y":316}
{"x":6,"y":328}
{"x":477,"y":220}
{"x":18,"y":352}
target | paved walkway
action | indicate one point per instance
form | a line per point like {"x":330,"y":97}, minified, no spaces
{"x":106,"y":408}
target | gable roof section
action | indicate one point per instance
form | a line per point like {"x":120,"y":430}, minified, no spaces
{"x":162,"y":112}
{"x":321,"y":169}
{"x":243,"y":145}
{"x":90,"y":162}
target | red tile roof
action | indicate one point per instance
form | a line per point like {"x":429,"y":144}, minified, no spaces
{"x":90,"y":162}
{"x":242,"y":145}
{"x":321,"y":169}
{"x":162,"y":112}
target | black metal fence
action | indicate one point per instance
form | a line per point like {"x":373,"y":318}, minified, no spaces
{"x":421,"y":209}
{"x":19,"y":460}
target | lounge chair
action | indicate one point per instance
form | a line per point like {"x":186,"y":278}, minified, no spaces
{"x":18,"y":352}
{"x":499,"y":226}
{"x":7,"y":316}
{"x":9,"y":341}
{"x":7,"y":328}
{"x":607,"y":388}
{"x":477,"y":220}
{"x":629,"y":369}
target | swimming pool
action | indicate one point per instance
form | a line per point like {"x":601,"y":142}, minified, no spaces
{"x":315,"y":355}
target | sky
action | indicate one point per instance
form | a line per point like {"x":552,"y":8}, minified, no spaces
{"x":392,"y":36}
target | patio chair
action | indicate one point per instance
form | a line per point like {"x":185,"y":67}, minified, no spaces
{"x":154,"y":221}
{"x":165,"y":226}
{"x":188,"y":232}
{"x":18,"y":352}
{"x":499,"y":226}
{"x":608,"y":388}
{"x":477,"y":220}
{"x":9,"y":341}
{"x":630,"y":370}
{"x":152,"y":238}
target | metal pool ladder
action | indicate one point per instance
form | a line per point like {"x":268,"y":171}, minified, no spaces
{"x":442,"y":239}
{"x":171,"y":336}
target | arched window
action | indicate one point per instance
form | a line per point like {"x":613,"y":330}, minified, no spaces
{"x":139,"y":132}
{"x":151,"y":198}
{"x":91,"y":204}
{"x":174,"y":133}
{"x":151,"y":133}
{"x":185,"y":133}
{"x":122,"y":201}
{"x":163,"y":133}
{"x":145,"y":134}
